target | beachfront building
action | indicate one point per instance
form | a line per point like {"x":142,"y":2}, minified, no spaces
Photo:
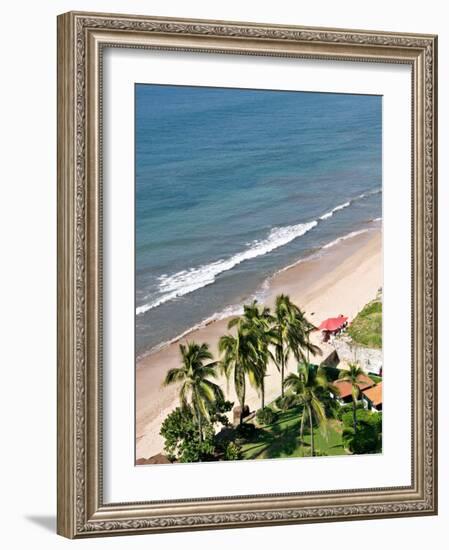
{"x":372,"y":397}
{"x":344,"y":388}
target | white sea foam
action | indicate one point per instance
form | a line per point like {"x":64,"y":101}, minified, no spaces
{"x":188,"y":280}
{"x":336,"y":209}
{"x":344,"y":238}
{"x":315,"y":254}
{"x":349,"y":202}
{"x":369,"y":193}
{"x":229,"y":311}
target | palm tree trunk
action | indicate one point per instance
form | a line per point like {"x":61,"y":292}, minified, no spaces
{"x":354,"y":414}
{"x":240,"y":391}
{"x":242,"y":408}
{"x":354,"y":408}
{"x":262,"y":391}
{"x":282,"y":375}
{"x":312,"y":450}
{"x":301,"y":431}
{"x":308,"y":350}
{"x":200,"y":428}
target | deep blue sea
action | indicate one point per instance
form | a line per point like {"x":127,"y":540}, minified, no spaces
{"x":233,"y":185}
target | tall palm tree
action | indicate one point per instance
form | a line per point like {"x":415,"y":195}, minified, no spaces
{"x":309,"y":385}
{"x":257,"y":321}
{"x":197,"y":391}
{"x":353,"y":375}
{"x":291,"y":335}
{"x":240,"y":359}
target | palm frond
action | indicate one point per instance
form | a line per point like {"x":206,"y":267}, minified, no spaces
{"x":174,"y":375}
{"x":233,"y":322}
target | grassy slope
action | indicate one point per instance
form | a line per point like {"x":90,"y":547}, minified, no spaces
{"x":281,"y":439}
{"x":366,"y":328}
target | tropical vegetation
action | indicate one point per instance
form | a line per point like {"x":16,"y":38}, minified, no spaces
{"x":366,"y":328}
{"x":197,"y":391}
{"x":245,"y":355}
{"x":306,"y":419}
{"x":309,"y":386}
{"x":291,"y":335}
{"x":354,"y":375}
{"x":367,"y":437}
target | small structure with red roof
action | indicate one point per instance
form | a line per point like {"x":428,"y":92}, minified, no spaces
{"x":344,"y":388}
{"x":333,"y":326}
{"x":373,"y":397}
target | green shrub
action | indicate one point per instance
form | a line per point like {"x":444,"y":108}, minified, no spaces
{"x":343,"y":409}
{"x":362,"y":415}
{"x":181,"y":433}
{"x":367,"y":438}
{"x":218,"y":410}
{"x":182,"y":440}
{"x":233,"y":451}
{"x":245,"y":431}
{"x":366,"y":328}
{"x":283,"y":403}
{"x":265,"y":416}
{"x":225,"y":436}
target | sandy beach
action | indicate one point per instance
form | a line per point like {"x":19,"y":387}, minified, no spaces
{"x":339,"y":280}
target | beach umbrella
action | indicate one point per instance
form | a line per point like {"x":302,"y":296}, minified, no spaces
{"x":333,"y":323}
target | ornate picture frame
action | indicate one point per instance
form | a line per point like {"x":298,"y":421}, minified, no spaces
{"x":82,"y":38}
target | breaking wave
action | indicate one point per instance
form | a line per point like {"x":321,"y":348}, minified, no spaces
{"x":344,"y":238}
{"x":336,"y":209}
{"x":189,"y":280}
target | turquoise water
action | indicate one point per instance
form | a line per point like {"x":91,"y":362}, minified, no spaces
{"x":232,"y":185}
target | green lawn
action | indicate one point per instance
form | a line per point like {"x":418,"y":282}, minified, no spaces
{"x":281,"y":439}
{"x":366,"y":328}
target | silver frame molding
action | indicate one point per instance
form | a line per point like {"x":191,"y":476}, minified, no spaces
{"x":81,"y":39}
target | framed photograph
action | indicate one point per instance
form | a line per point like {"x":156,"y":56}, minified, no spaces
{"x":246,"y":274}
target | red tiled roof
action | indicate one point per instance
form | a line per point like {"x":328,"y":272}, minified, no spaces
{"x":345,"y":387}
{"x":374,"y":394}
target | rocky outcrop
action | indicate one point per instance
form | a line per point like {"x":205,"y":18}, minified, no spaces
{"x":156,"y":459}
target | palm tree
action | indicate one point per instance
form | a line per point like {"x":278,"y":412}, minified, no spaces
{"x":197,"y":391}
{"x":291,"y":335}
{"x":352,"y":375}
{"x":309,"y":386}
{"x":257,"y":322}
{"x":240,"y":357}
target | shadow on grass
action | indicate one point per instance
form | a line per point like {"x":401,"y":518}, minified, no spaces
{"x":281,"y":439}
{"x":278,"y":439}
{"x":273,"y":445}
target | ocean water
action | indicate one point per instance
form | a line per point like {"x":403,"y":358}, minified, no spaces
{"x":233,"y":185}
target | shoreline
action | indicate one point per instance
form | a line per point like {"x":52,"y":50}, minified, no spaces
{"x":237,"y":309}
{"x":341,"y":279}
